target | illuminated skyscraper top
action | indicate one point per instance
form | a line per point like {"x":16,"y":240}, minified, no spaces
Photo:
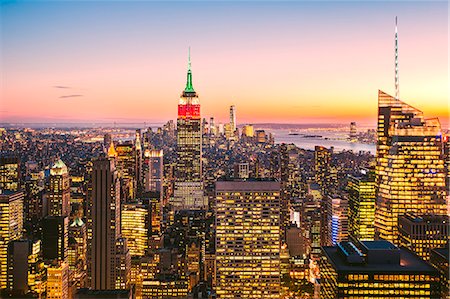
{"x":188,"y":105}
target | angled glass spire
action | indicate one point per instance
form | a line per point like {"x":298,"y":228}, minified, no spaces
{"x":189,"y":87}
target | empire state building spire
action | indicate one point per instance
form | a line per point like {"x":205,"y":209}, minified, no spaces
{"x":189,"y":88}
{"x":396,"y":62}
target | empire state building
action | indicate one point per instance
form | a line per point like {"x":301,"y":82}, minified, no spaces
{"x":188,"y":193}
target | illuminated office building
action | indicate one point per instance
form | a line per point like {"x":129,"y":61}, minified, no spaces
{"x":126,"y":168}
{"x":9,"y":173}
{"x":122,"y":265}
{"x":153,"y":171}
{"x":105,"y":227}
{"x":59,"y":190}
{"x":242,"y":170}
{"x":188,"y":193}
{"x":334,"y":220}
{"x":375,"y":269}
{"x":135,"y":227}
{"x":322,"y":167}
{"x":421,"y":233}
{"x":55,"y":238}
{"x":11,"y":227}
{"x":362,"y":194}
{"x":248,"y":239}
{"x":165,"y":286}
{"x":410,"y":165}
{"x":58,"y":280}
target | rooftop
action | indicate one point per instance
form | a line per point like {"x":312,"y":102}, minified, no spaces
{"x":248,"y":185}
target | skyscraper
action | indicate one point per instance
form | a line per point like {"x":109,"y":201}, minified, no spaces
{"x":59,"y":190}
{"x":361,"y":217}
{"x":188,"y":193}
{"x":105,"y":221}
{"x":11,"y":226}
{"x":233,"y":118}
{"x":409,"y":165}
{"x":248,"y":239}
{"x":153,"y":171}
{"x":322,"y":167}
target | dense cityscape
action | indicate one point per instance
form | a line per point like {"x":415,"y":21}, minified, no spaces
{"x":198,"y":209}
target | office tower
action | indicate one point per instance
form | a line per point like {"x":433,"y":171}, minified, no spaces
{"x":138,"y":165}
{"x":11,"y":227}
{"x":446,"y":145}
{"x":135,"y":227}
{"x":439,"y":258}
{"x":410,"y":165}
{"x":334,"y":220}
{"x":188,"y":193}
{"x":362,"y":193}
{"x":421,"y":233}
{"x":105,"y":224}
{"x":58,"y":280}
{"x":153,"y":171}
{"x":77,"y":251}
{"x":55,"y":238}
{"x":375,"y":269}
{"x":248,"y":131}
{"x":9,"y":173}
{"x":241,"y":170}
{"x":322,"y":168}
{"x":353,"y":133}
{"x":59,"y":190}
{"x":212,"y":127}
{"x":248,"y":239}
{"x":26,"y":271}
{"x":126,"y":169}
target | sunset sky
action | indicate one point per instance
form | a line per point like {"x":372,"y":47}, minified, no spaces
{"x":288,"y":62}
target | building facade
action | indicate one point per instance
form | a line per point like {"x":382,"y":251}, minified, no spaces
{"x":409,"y":165}
{"x":248,"y":239}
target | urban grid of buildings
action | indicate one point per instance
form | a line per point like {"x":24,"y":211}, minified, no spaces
{"x":196,"y":209}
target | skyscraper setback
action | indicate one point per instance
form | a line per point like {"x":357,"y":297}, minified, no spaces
{"x":188,"y":193}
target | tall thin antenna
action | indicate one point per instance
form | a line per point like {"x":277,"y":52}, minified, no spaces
{"x":189,"y":59}
{"x":396,"y":62}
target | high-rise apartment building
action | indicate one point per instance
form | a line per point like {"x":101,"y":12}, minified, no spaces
{"x":105,"y":223}
{"x":361,"y":213}
{"x":409,"y":165}
{"x":11,"y":227}
{"x":59,"y":190}
{"x":248,"y":239}
{"x":375,"y":269}
{"x":422,"y":233}
{"x":188,"y":193}
{"x":233,"y":118}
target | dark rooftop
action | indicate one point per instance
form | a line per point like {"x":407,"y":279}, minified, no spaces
{"x":409,"y":262}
